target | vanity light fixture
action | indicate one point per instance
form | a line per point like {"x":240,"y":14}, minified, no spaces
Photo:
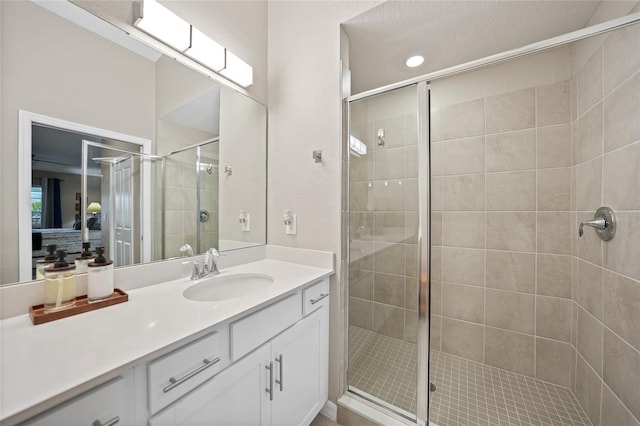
{"x":414,"y":61}
{"x":164,"y":25}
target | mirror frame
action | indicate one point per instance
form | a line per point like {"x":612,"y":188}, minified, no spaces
{"x":26,"y":120}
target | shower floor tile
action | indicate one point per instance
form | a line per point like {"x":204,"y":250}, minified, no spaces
{"x":468,"y":392}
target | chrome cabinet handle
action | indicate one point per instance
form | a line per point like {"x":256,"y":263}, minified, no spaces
{"x":269,"y":390}
{"x":173,"y":382}
{"x":111,"y":422}
{"x":279,"y":359}
{"x":322,"y":296}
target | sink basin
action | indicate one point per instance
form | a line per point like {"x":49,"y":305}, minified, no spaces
{"x":225,"y":287}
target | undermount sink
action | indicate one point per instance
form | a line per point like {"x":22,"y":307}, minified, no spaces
{"x":225,"y":287}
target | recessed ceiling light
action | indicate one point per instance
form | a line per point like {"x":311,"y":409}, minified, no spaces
{"x":414,"y":61}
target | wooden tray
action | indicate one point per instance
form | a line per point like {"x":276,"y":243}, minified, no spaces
{"x":38,"y":316}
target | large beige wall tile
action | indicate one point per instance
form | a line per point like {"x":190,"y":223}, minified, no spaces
{"x":361,"y":168}
{"x":513,"y":191}
{"x":411,"y":326}
{"x":554,"y":189}
{"x":621,"y":176}
{"x":435,"y":297}
{"x":622,"y":307}
{"x":590,"y":340}
{"x":411,"y":194}
{"x":463,"y":120}
{"x":436,"y":263}
{"x":590,"y":82}
{"x":435,"y":122}
{"x":511,"y":151}
{"x":463,"y":229}
{"x":463,"y":266}
{"x":463,"y":302}
{"x":390,"y":258}
{"x":388,"y":320}
{"x":589,"y":185}
{"x":462,"y":339}
{"x":613,"y":410}
{"x":436,"y":195}
{"x":361,"y":313}
{"x":463,"y":192}
{"x":553,"y":362}
{"x":389,"y":226}
{"x":553,"y":104}
{"x":621,"y":111}
{"x":621,"y":253}
{"x":511,"y":271}
{"x":389,"y":164}
{"x":621,"y":57}
{"x":590,"y":288}
{"x":554,"y":146}
{"x":588,"y":390}
{"x":389,"y":195}
{"x":590,"y":143}
{"x":622,"y":371}
{"x":510,"y":311}
{"x":589,"y":245}
{"x":412,"y":261}
{"x":361,"y":196}
{"x":394,"y":132}
{"x":436,"y":229}
{"x":436,"y":159}
{"x":435,"y":331}
{"x":411,"y":161}
{"x":554,"y":276}
{"x":511,"y":231}
{"x":411,"y":129}
{"x":360,"y":283}
{"x":510,"y":351}
{"x":511,"y":111}
{"x":463,"y":156}
{"x":553,"y":318}
{"x":389,"y":289}
{"x":554,"y":232}
{"x":411,"y":227}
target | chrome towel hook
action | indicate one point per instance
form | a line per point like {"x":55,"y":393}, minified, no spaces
{"x":604,"y":221}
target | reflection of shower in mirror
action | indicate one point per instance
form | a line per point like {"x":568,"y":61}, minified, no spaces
{"x":208,"y":167}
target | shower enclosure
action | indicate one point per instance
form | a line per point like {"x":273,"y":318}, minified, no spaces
{"x":466,"y":189}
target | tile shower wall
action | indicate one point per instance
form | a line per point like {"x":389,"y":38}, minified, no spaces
{"x":606,"y":275}
{"x":383,"y":272}
{"x":501,"y":223}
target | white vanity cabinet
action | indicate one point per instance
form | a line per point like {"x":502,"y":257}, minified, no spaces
{"x":283,"y":382}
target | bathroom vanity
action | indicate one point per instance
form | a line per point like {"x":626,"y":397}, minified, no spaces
{"x":163,"y":359}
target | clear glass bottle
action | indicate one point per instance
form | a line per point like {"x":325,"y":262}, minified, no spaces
{"x":59,"y":284}
{"x":85,"y":258}
{"x":100,"y":277}
{"x":48,"y":260}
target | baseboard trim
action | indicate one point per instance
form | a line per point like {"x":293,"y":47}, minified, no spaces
{"x":330,"y":411}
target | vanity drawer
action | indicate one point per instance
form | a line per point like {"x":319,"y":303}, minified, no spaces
{"x":315,"y":296}
{"x":178,"y":372}
{"x":103,"y":405}
{"x":253,"y":330}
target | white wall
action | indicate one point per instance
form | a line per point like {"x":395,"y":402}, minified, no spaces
{"x":304,"y":115}
{"x":67,"y":73}
{"x":243,"y":145}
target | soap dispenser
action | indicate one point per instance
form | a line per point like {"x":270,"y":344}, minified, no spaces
{"x":48,"y":260}
{"x":59,"y":284}
{"x":100,"y":278}
{"x":84,"y":259}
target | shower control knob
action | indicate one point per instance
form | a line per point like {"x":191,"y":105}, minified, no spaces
{"x":432,"y":387}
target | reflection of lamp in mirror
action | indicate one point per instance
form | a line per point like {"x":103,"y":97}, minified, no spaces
{"x":94,"y":208}
{"x":93,"y":223}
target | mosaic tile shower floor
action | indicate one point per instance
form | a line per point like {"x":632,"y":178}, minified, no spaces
{"x":468,"y":392}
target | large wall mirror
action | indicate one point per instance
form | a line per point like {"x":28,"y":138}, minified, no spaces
{"x":175,"y":156}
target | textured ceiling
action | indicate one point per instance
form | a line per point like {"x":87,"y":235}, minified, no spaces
{"x":448,"y":33}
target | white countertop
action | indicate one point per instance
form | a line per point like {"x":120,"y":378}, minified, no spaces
{"x":40,"y":362}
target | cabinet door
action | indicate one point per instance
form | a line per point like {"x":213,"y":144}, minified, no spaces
{"x":300,"y":371}
{"x":236,"y":396}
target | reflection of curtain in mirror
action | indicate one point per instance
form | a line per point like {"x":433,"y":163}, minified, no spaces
{"x":51,"y":205}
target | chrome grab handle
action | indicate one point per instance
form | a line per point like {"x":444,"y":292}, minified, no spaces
{"x":322,"y":296}
{"x":598,"y":223}
{"x":173,"y":382}
{"x":604,"y":221}
{"x":279,"y":359}
{"x":111,"y":422}
{"x":269,"y":390}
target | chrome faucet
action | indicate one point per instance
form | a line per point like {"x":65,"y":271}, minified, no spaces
{"x":209,"y":265}
{"x":186,"y":250}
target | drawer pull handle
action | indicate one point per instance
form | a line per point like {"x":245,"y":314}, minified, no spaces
{"x":173,"y":382}
{"x":280,"y":359}
{"x":111,"y":422}
{"x":269,"y":390}
{"x":322,"y":296}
